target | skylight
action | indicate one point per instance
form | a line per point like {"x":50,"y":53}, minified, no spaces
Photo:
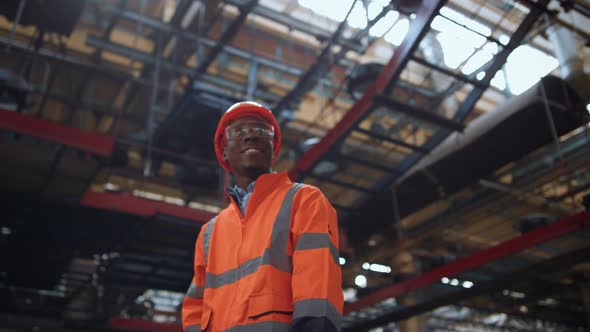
{"x":525,"y":67}
{"x":462,"y":49}
{"x":359,"y":16}
{"x":333,"y":9}
{"x":399,"y":31}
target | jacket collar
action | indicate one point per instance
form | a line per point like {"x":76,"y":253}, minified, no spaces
{"x":266,"y":182}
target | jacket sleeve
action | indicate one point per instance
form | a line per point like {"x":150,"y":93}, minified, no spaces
{"x":192,"y":305}
{"x":317,"y":279}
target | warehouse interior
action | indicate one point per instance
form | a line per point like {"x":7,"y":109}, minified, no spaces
{"x":452,"y":138}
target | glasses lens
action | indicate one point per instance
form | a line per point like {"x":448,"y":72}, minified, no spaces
{"x":257,"y":128}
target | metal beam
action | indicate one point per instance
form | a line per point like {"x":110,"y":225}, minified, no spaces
{"x":430,"y":117}
{"x":559,"y":228}
{"x":448,"y":72}
{"x":490,"y":68}
{"x":73,"y":137}
{"x":142,"y":207}
{"x":344,"y":184}
{"x":390,"y":73}
{"x":486,"y":288}
{"x":392,"y":140}
{"x":367,"y":163}
{"x":323,"y":62}
{"x":225,"y":38}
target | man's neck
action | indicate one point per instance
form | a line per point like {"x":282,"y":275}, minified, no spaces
{"x":243,"y":181}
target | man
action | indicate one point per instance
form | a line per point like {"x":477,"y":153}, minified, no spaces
{"x":269,"y":261}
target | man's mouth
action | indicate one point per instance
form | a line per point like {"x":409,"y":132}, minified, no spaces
{"x":251,"y":149}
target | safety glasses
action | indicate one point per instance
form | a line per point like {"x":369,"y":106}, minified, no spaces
{"x":242,"y":129}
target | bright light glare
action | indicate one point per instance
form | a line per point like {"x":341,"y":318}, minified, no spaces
{"x":373,"y":9}
{"x":467,"y":284}
{"x":457,"y":42}
{"x":358,"y":16}
{"x":366,"y":266}
{"x":498,"y":80}
{"x":380,"y":268}
{"x":360,"y":281}
{"x":333,"y":9}
{"x":444,"y":280}
{"x":399,"y":31}
{"x":381,"y":27}
{"x":342,"y":260}
{"x":521,"y":74}
{"x":588,"y":108}
{"x":454,"y":282}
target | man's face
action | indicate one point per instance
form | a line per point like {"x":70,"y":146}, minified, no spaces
{"x":249,"y":151}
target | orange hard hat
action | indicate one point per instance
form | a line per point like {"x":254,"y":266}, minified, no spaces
{"x":236,"y":111}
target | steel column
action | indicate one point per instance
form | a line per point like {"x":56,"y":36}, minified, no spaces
{"x":390,"y":73}
{"x":562,"y":227}
{"x":73,"y":137}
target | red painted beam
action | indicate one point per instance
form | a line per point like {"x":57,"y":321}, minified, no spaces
{"x":135,"y":324}
{"x":74,"y":137}
{"x":141,"y":206}
{"x":389,"y":73}
{"x":482,"y":257}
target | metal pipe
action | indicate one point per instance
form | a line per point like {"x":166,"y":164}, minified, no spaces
{"x":566,"y":52}
{"x":19,"y":13}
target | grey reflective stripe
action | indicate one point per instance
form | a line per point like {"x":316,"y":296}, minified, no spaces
{"x":193,"y":328}
{"x":277,"y":260}
{"x":280,"y":228}
{"x":275,"y":255}
{"x":231,"y":276}
{"x":195,"y":292}
{"x":317,"y":308}
{"x":261,"y":327}
{"x":316,"y":241}
{"x":207,"y":239}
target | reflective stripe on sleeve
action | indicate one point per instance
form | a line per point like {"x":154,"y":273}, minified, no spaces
{"x":207,"y":239}
{"x":193,"y":328}
{"x":194,"y":291}
{"x":261,"y":327}
{"x":317,"y":241}
{"x":318,"y":308}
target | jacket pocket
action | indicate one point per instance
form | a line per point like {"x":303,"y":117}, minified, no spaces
{"x":206,"y":316}
{"x":266,"y":304}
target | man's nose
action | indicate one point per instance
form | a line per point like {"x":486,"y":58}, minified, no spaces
{"x":250,"y":136}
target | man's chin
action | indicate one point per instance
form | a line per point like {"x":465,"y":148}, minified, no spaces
{"x":256,"y":170}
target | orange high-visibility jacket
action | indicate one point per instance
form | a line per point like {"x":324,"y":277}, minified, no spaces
{"x":276,"y":265}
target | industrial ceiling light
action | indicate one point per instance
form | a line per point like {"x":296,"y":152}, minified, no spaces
{"x":341,"y":260}
{"x":360,"y":281}
{"x":467,"y":284}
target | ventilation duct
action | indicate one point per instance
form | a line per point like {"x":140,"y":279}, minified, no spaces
{"x":513,"y":130}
